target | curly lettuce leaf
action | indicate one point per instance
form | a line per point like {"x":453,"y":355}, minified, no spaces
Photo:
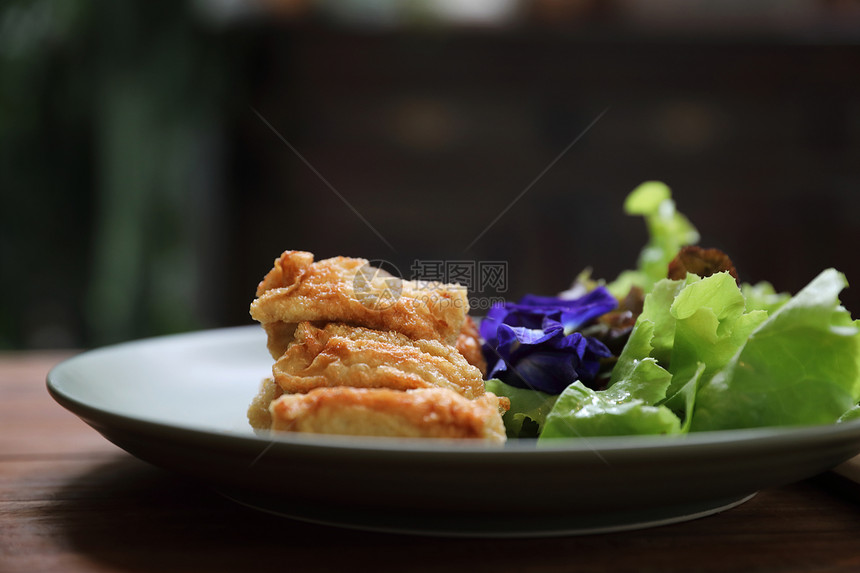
{"x":668,"y":231}
{"x":684,"y":400}
{"x":626,"y":407}
{"x":800,"y":366}
{"x":529,"y":408}
{"x":694,"y":324}
{"x":711,"y":325}
{"x":762,"y":296}
{"x":661,"y":333}
{"x":583,"y":412}
{"x":636,"y":371}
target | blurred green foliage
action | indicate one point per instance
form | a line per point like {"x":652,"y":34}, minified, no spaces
{"x":109,"y":129}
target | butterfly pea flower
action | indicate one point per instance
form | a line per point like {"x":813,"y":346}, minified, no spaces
{"x":536,"y":344}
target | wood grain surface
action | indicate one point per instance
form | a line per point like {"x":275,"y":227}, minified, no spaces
{"x":70,"y":501}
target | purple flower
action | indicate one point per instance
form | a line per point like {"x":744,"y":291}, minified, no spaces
{"x":534,"y":343}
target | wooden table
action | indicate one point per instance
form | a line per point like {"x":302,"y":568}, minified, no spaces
{"x":70,"y":501}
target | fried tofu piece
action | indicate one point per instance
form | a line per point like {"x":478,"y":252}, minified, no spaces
{"x":469,"y":345}
{"x":342,"y":355}
{"x":349,"y":290}
{"x":421,"y":413}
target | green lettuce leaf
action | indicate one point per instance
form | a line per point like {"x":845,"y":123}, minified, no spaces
{"x":685,"y":399}
{"x":852,"y":414}
{"x":668,"y":231}
{"x":636,"y":372}
{"x":583,"y":412}
{"x":800,"y":366}
{"x":529,"y":408}
{"x":626,"y":407}
{"x":659,"y":338}
{"x":762,"y":296}
{"x":711,"y":325}
{"x":696,"y":326}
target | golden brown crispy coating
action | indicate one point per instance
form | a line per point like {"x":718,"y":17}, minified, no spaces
{"x":421,"y":413}
{"x":258,"y":412}
{"x":288,"y":270}
{"x":342,"y":355}
{"x":348,"y":290}
{"x":469,"y":345}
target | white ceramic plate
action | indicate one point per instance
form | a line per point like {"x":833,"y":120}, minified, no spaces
{"x":180,"y":402}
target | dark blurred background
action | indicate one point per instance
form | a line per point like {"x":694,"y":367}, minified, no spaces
{"x":155,"y":157}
